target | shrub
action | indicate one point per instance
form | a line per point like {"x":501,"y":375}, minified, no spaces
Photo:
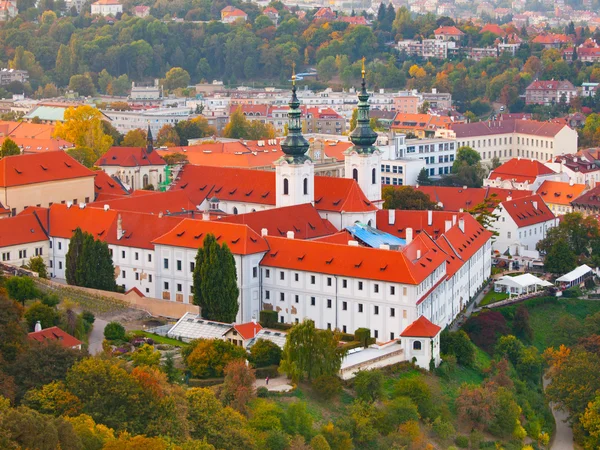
{"x":88,"y":317}
{"x":207,"y":358}
{"x":362,"y":335}
{"x":264,"y":353}
{"x":485,"y":328}
{"x":398,"y":411}
{"x":573,"y":292}
{"x":443,"y":429}
{"x":268,"y":318}
{"x":262,"y":392}
{"x":327,"y":386}
{"x":589,"y":283}
{"x":50,"y":299}
{"x":462,"y":442}
{"x":368,"y":385}
{"x":114,"y":331}
{"x":457,"y":343}
{"x":419,"y":392}
{"x":46,"y":315}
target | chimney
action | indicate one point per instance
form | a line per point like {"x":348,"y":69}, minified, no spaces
{"x":290,"y":235}
{"x":461,"y":225}
{"x":38,"y":326}
{"x":69,"y":204}
{"x":571,"y":182}
{"x":409,"y":235}
{"x":120,"y":231}
{"x":391,"y":217}
{"x":418,"y":254}
{"x":264,"y":232}
{"x":81,"y":205}
{"x":465,"y":188}
{"x":448,"y":225}
{"x":353,"y":243}
{"x":429,"y":218}
{"x":535,"y":204}
{"x":384,"y":247}
{"x":106,"y":207}
{"x":454,"y":219}
{"x":205,"y":216}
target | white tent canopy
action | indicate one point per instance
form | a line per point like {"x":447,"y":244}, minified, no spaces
{"x":522,"y":284}
{"x":575,"y":274}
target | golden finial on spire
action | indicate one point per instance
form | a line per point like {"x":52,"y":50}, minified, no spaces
{"x":363,"y":67}
{"x":294,"y":74}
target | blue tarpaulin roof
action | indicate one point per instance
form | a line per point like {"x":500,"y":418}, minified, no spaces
{"x":373,"y":237}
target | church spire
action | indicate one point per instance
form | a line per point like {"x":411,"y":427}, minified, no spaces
{"x":149,"y":140}
{"x":363,"y":137}
{"x":295,"y":145}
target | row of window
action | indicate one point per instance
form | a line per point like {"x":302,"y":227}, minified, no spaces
{"x":329,"y":281}
{"x":392,"y":181}
{"x":39,"y":251}
{"x":392,"y":169}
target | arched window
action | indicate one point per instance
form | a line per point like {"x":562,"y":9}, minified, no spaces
{"x":417,"y":345}
{"x":235,"y":211}
{"x":373,"y":176}
{"x":160,"y":178}
{"x":369,"y":222}
{"x":145,"y":183}
{"x":355,"y":174}
{"x":306,"y":186}
{"x":286,"y":186}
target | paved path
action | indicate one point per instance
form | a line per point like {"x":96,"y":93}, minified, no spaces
{"x":467,"y":312}
{"x":279,"y":384}
{"x":96,"y":336}
{"x":563,"y":438}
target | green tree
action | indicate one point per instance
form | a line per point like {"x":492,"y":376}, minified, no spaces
{"x":41,"y":363}
{"x":21,"y":289}
{"x":457,"y":343}
{"x":467,"y":169}
{"x":9,"y":148}
{"x":326,"y":68}
{"x":264,"y":353}
{"x":354,"y":119}
{"x":104,"y":81}
{"x":37,"y":264}
{"x":241,"y":128}
{"x":297,"y":420}
{"x":167,"y":136}
{"x":521,"y":325}
{"x":82,"y":84}
{"x":176,"y":78}
{"x":406,"y":197}
{"x":83,"y":155}
{"x":368,"y":385}
{"x":560,"y":259}
{"x":38,"y":312}
{"x":423,"y":178}
{"x":114,"y":331}
{"x":73,"y":257}
{"x":484,"y":213}
{"x":185,"y":130}
{"x":398,"y":411}
{"x":12,"y":332}
{"x":215,"y":281}
{"x":63,"y":69}
{"x":310,"y":353}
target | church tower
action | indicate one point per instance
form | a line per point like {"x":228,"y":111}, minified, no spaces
{"x":149,"y":140}
{"x":363,"y":159}
{"x":295,"y":172}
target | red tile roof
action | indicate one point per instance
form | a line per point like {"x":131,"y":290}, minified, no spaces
{"x":167,"y":203}
{"x":590,"y":199}
{"x":421,"y":328}
{"x":551,"y":85}
{"x":256,"y":186}
{"x":457,"y":198}
{"x":357,"y":262}
{"x":190,"y":233}
{"x":21,"y":229}
{"x":303,"y":220}
{"x":551,"y":38}
{"x":493,"y":28}
{"x":341,"y":237}
{"x":63,"y":221}
{"x":356,"y":20}
{"x":105,"y":184}
{"x":450,"y":31}
{"x":483,"y":128}
{"x":130,"y":157}
{"x":20,"y":170}
{"x":520,"y":170}
{"x":54,"y":334}
{"x":421,"y":122}
{"x":560,"y":192}
{"x":528,"y":211}
{"x":35,"y":145}
{"x":247,"y":330}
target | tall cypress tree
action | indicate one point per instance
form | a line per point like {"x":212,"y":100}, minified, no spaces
{"x":215,"y":282}
{"x":72,"y":258}
{"x":104,"y":277}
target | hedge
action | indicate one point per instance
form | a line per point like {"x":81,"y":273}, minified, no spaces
{"x":268,"y":319}
{"x":205,"y":382}
{"x":264,"y":372}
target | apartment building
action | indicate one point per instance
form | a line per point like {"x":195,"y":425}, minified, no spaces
{"x":509,"y":138}
{"x":550,"y":92}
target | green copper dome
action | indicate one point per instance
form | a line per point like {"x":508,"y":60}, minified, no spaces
{"x":295,"y":145}
{"x":363,"y":137}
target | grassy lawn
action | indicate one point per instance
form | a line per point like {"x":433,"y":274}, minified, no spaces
{"x":543,"y":318}
{"x":493,"y":297}
{"x":161,"y":339}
